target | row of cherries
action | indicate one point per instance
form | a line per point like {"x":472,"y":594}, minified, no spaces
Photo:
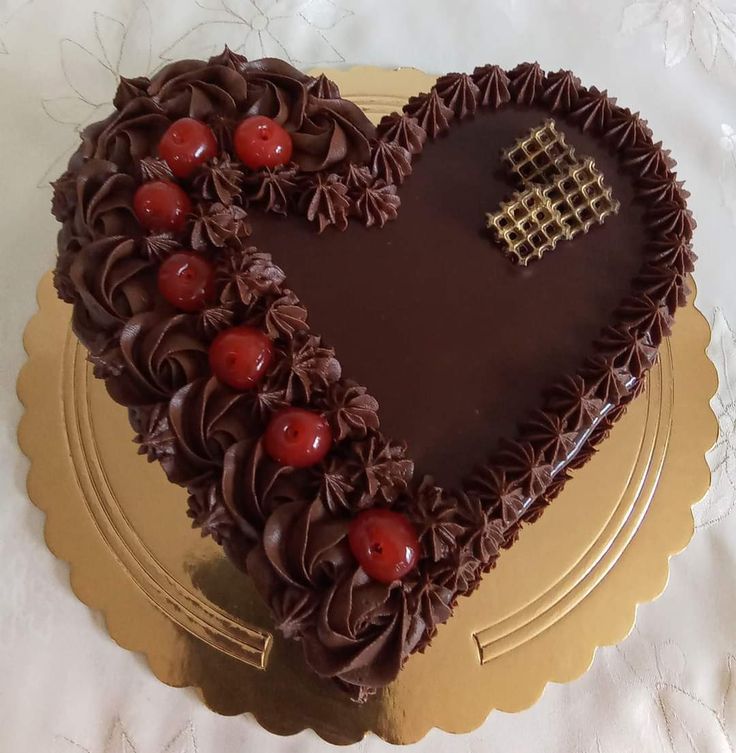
{"x":384,"y":542}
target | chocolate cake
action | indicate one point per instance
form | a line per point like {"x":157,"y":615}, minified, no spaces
{"x":252,"y":309}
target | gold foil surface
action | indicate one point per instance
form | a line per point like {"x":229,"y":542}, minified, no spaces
{"x":570,"y":584}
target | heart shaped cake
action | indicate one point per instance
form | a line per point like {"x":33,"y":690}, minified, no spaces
{"x":254,"y":268}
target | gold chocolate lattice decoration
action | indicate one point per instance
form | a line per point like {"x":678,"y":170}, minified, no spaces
{"x":563,"y":197}
{"x":528,"y":225}
{"x":541,"y":156}
{"x":582,"y":198}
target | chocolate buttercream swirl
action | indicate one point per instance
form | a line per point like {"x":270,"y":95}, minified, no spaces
{"x":336,"y":489}
{"x":561,"y":91}
{"x":323,"y":88}
{"x":109,"y":363}
{"x":501,"y":495}
{"x":611,"y":383}
{"x":273,"y":189}
{"x":219,"y":225}
{"x":214,"y":319}
{"x":403,"y":130}
{"x":253,"y":486}
{"x":668,"y":218}
{"x":625,"y":129}
{"x":593,"y":110}
{"x":665,"y":284}
{"x":159,"y":355}
{"x":654,"y":190}
{"x":526,"y":83}
{"x":153,"y":168}
{"x":267,"y":399}
{"x":390,"y":162}
{"x":130,"y":89}
{"x":674,"y":252}
{"x":111,"y":284}
{"x":285,"y":316}
{"x":195,"y":89}
{"x":377,"y":204}
{"x":493,"y":86}
{"x":357,"y":178}
{"x":527,"y":467}
{"x":326,"y":202}
{"x":208,"y":512}
{"x":243,"y":275}
{"x":380,"y":468}
{"x":550,"y":435}
{"x":351,"y":411}
{"x":206,"y":419}
{"x":435,"y":517}
{"x":432,"y":114}
{"x":550,"y":493}
{"x":68,"y":245}
{"x":230,"y":59}
{"x":650,"y":315}
{"x":626,"y":348}
{"x":575,"y":400}
{"x":64,"y":197}
{"x":304,"y":544}
{"x":460,"y":572}
{"x":361,"y":632}
{"x":153,"y":432}
{"x":647,"y":160}
{"x":104,"y":201}
{"x":430,"y":602}
{"x":486,"y":531}
{"x":460,"y":93}
{"x":325,"y":131}
{"x":158,"y":247}
{"x":305,"y":367}
{"x":220,"y":180}
{"x":333,"y":132}
{"x":127,"y":136}
{"x":277,"y":90}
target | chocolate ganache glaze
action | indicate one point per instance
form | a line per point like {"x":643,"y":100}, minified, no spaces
{"x":493,"y":380}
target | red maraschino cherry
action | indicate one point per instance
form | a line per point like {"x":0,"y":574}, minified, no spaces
{"x":161,"y":206}
{"x":240,"y":356}
{"x":385,"y":544}
{"x":297,"y":437}
{"x":187,"y":281}
{"x":187,"y":144}
{"x":262,"y":142}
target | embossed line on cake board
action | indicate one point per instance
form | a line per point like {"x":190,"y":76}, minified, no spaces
{"x":604,"y":551}
{"x":241,"y":641}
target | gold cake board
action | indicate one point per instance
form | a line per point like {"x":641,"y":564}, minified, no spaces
{"x":570,"y":584}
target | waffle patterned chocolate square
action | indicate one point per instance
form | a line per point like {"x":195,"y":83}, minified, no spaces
{"x":541,"y":156}
{"x":527,"y":226}
{"x":582,"y":197}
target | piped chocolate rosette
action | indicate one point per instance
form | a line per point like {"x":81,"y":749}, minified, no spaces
{"x":195,"y":331}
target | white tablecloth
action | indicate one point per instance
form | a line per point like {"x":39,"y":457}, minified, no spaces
{"x":65,"y":686}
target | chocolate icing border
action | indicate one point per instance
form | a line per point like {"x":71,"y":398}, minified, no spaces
{"x":288,"y":528}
